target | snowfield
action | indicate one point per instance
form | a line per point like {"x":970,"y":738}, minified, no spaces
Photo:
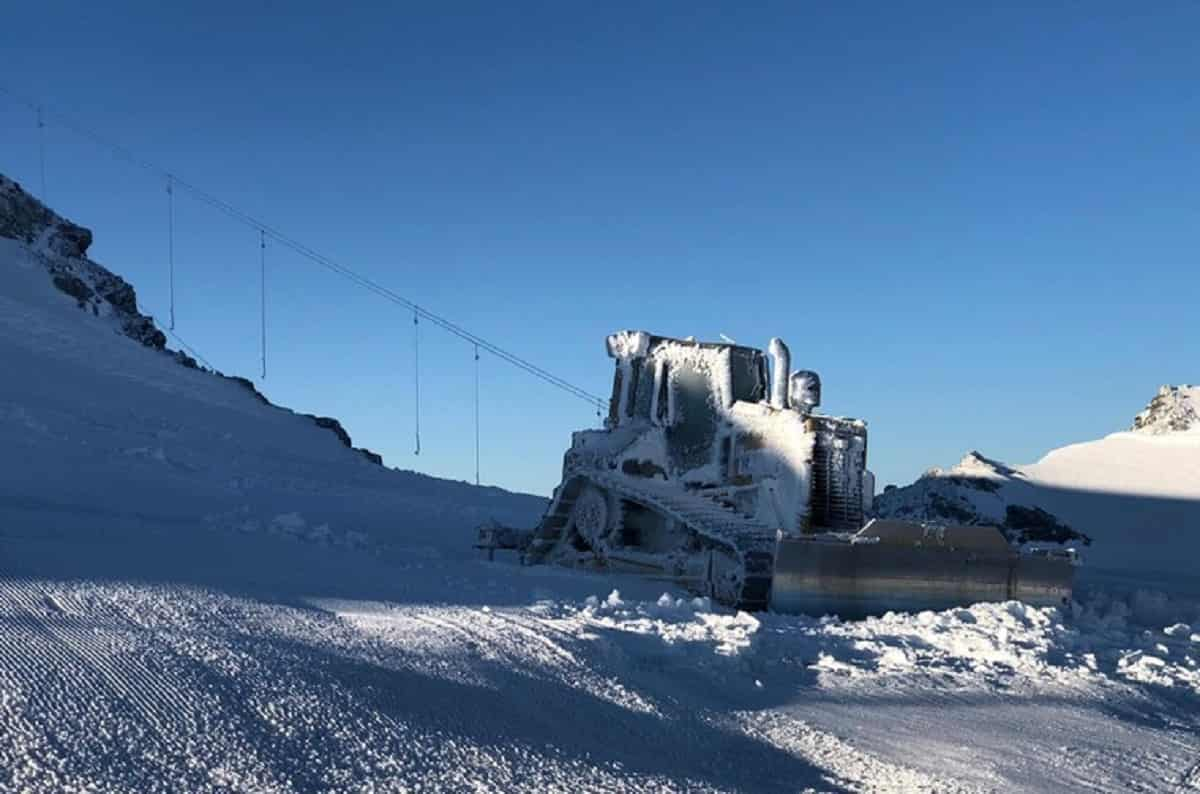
{"x":201,"y":592}
{"x":132,"y":686}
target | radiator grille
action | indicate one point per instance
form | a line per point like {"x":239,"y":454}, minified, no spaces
{"x":839,"y":460}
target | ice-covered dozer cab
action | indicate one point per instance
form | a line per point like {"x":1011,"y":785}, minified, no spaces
{"x":715,"y":471}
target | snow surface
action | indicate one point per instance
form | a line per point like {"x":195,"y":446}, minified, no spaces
{"x":199,"y":592}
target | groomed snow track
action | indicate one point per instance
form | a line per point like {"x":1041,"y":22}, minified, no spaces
{"x":123,"y":687}
{"x":720,"y":529}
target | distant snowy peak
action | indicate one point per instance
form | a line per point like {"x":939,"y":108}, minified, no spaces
{"x":974,"y":465}
{"x":1175,"y":409}
{"x":981,"y":491}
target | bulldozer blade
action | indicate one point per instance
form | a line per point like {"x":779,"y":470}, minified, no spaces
{"x":854,"y":580}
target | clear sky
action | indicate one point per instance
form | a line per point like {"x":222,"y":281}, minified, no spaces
{"x":980,"y":225}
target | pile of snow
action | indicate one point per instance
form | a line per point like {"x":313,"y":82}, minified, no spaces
{"x":949,"y":696}
{"x":1140,"y":638}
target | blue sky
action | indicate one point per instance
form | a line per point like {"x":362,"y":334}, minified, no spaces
{"x":978,"y":224}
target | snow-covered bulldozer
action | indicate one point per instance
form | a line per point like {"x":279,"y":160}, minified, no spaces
{"x":714,"y":470}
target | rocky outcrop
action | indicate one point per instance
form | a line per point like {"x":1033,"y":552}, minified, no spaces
{"x":326,"y":422}
{"x":24,"y":218}
{"x":1175,"y":409}
{"x":329,"y":423}
{"x":977,"y":491}
{"x":62,"y":247}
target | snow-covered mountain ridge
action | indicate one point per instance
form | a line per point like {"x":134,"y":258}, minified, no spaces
{"x":1175,"y":409}
{"x":62,"y":247}
{"x":1131,"y":498}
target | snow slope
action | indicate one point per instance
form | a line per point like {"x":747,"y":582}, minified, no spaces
{"x":88,"y":414}
{"x":201,"y":592}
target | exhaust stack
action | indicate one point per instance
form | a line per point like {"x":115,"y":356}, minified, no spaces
{"x":781,"y":359}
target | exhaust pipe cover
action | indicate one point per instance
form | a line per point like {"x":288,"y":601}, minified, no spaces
{"x":781,"y":359}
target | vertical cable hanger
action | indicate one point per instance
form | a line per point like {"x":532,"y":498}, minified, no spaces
{"x":41,"y":128}
{"x":41,"y":114}
{"x":477,"y":414}
{"x":171,"y":242}
{"x":417,"y":375}
{"x":262,"y":272}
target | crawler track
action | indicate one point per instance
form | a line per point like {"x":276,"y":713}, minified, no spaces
{"x":750,"y":543}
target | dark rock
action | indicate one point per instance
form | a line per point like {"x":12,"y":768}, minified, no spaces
{"x":67,"y":239}
{"x":118,"y":292}
{"x":1033,"y":524}
{"x":1175,"y":409}
{"x":249,"y":386}
{"x":941,"y":508}
{"x":75,"y":287}
{"x":974,"y":483}
{"x":329,"y":423}
{"x":24,"y":218}
{"x":142,"y":329}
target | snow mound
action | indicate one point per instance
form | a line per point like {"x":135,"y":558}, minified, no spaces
{"x":683,"y":624}
{"x":1138,"y":638}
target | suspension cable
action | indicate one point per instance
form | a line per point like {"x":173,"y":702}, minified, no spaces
{"x":262,"y":271}
{"x":417,"y":376}
{"x":477,"y":414}
{"x":171,"y":244}
{"x":282,"y":239}
{"x":41,"y":128}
